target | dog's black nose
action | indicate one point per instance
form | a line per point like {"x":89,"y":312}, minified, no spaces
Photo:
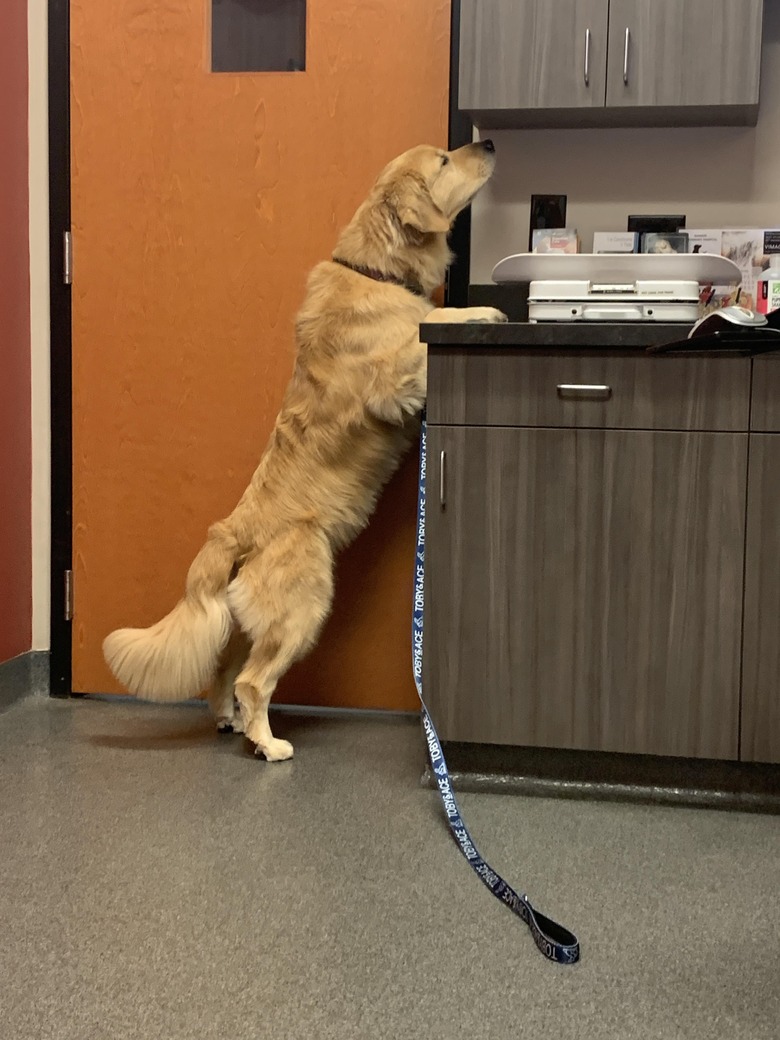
{"x":488,"y":145}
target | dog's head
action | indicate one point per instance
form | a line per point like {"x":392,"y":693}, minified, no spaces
{"x":427,"y":187}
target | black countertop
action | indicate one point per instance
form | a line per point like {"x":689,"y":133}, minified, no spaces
{"x":555,"y":335}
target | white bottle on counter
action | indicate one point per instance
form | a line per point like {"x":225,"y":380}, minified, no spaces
{"x":768,"y":287}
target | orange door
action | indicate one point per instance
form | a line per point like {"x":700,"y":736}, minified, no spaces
{"x":200,"y":200}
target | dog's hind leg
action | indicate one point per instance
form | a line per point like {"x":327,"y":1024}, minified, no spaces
{"x":222,"y":699}
{"x":281,"y":599}
{"x":254,"y":689}
{"x":270,"y":657}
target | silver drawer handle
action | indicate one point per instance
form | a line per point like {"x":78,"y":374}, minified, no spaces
{"x":625,"y":55}
{"x":442,"y":480}
{"x":587,"y":57}
{"x":594,"y":391}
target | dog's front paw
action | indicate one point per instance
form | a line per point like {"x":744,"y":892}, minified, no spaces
{"x":413,"y":406}
{"x":485,"y":314}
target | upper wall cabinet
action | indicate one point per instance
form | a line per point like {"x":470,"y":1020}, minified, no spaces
{"x":537,"y":63}
{"x":533,"y":55}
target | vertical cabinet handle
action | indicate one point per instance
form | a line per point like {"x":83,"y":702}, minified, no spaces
{"x":442,"y":480}
{"x":587,"y":57}
{"x":626,"y":48}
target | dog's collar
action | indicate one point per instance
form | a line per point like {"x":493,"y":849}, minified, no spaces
{"x":380,"y":276}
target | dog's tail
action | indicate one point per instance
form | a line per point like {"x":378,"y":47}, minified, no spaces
{"x":177,"y":658}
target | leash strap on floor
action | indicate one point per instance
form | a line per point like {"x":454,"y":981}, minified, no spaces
{"x":555,"y":942}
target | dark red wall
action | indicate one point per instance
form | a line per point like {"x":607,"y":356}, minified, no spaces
{"x":15,"y":435}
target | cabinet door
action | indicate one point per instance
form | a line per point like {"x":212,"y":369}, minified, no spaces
{"x":761,"y":666}
{"x":532,"y":54}
{"x":765,"y":410}
{"x":681,"y":53}
{"x":584,"y":588}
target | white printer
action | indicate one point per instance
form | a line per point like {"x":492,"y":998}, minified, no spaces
{"x":620,"y":287}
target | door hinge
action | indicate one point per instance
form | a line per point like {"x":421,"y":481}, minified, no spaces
{"x":67,"y":258}
{"x":68,"y":595}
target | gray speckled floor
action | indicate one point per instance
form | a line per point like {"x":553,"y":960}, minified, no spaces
{"x":158,"y":883}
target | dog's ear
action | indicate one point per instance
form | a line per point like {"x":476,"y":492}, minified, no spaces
{"x":412,"y":201}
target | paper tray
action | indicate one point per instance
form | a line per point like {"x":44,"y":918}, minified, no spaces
{"x":603,"y":268}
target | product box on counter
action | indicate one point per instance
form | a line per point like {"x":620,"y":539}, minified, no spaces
{"x":620,"y":242}
{"x":555,"y":240}
{"x":615,"y":242}
{"x":706,"y":241}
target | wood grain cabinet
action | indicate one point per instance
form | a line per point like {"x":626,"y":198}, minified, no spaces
{"x":610,"y":62}
{"x":544,"y":55}
{"x":761,"y":670}
{"x":761,"y":644}
{"x":592,"y":582}
{"x":765,"y":410}
{"x":603,"y":552}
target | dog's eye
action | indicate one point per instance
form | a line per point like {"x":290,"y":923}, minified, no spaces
{"x":444,"y":160}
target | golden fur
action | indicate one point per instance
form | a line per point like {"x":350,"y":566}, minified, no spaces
{"x":260,"y":589}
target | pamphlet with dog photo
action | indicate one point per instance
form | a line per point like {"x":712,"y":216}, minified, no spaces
{"x":664,"y":243}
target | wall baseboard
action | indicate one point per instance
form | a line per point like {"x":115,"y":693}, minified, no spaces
{"x":24,"y":676}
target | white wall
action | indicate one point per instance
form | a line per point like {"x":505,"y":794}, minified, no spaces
{"x":718,"y":177}
{"x":39,"y":318}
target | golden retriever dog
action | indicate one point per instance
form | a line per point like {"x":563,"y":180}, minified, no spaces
{"x":258,"y":592}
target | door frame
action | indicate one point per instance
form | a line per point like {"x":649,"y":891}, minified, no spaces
{"x":61,"y":345}
{"x":459,"y":132}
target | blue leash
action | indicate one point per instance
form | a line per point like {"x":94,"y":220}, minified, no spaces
{"x":555,"y":942}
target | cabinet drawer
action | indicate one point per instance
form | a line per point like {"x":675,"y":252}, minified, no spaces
{"x":765,"y":414}
{"x":479,"y":387}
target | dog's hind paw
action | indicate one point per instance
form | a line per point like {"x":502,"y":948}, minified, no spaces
{"x":275,"y":750}
{"x":230,"y":723}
